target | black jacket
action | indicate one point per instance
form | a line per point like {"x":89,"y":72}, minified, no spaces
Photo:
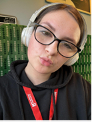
{"x":73,"y":100}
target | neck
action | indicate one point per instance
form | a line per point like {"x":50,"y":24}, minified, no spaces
{"x":35,"y":77}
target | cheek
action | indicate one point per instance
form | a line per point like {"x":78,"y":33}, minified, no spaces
{"x":34,"y":48}
{"x":30,"y":47}
{"x":61,"y":61}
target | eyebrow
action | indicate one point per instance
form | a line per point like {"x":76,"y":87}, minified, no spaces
{"x":70,"y":40}
{"x":47,"y":23}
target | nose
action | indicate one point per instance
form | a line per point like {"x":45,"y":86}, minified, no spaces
{"x":52,"y":48}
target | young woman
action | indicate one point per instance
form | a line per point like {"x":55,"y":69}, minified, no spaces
{"x":45,"y":87}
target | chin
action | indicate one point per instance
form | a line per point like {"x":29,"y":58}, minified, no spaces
{"x":43,"y":69}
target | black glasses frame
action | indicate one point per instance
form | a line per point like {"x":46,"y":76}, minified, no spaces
{"x":36,"y":25}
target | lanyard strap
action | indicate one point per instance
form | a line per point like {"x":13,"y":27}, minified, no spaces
{"x":34,"y":105}
{"x":51,"y":105}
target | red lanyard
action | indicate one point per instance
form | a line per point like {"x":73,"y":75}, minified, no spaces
{"x":34,"y":105}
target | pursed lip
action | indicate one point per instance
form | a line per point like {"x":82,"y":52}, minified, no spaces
{"x":46,"y":60}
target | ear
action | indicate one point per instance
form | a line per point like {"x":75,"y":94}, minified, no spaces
{"x":26,"y":34}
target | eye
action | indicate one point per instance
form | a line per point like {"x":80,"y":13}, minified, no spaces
{"x":67,"y":45}
{"x":46,"y":33}
{"x":43,"y":32}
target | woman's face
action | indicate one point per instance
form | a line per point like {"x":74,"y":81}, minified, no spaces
{"x":44,"y":58}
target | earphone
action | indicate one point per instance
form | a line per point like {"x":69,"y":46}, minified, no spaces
{"x":26,"y":33}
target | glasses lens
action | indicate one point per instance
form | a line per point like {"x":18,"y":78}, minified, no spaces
{"x":67,"y":49}
{"x":43,"y":35}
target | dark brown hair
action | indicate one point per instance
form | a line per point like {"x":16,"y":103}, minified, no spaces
{"x":70,"y":9}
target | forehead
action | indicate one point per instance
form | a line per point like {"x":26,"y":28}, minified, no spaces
{"x":61,"y":14}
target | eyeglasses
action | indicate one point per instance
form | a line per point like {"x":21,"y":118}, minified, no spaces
{"x":45,"y":37}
